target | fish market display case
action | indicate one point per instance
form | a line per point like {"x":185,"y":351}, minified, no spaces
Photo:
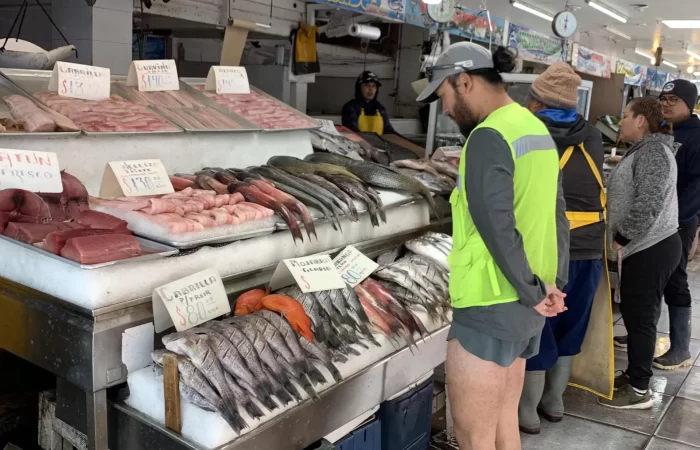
{"x":70,"y":321}
{"x":442,"y":131}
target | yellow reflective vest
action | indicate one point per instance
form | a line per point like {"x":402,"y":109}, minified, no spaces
{"x":475,"y":279}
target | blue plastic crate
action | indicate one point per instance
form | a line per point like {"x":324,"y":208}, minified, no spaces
{"x":368,"y":437}
{"x":406,"y":420}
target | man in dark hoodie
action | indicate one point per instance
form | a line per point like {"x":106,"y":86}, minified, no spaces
{"x":678,"y":99}
{"x":553,"y":99}
{"x":364,"y":113}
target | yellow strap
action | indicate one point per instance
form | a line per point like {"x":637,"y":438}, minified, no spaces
{"x":578,"y":219}
{"x":596,"y":173}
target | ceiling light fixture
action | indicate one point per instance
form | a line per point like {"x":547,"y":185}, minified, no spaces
{"x":690,"y":69}
{"x":687,"y":24}
{"x":693,"y":54}
{"x":669,"y":64}
{"x":644,"y":54}
{"x":697,"y":74}
{"x":605,"y":10}
{"x":617,"y":32}
{"x":531,"y":10}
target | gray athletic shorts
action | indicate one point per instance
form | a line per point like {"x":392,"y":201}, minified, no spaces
{"x":488,"y":348}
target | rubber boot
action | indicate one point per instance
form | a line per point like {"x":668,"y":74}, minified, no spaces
{"x":533,"y":387}
{"x":679,"y":354}
{"x":557,"y":379}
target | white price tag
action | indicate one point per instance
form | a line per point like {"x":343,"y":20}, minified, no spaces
{"x":227,"y":80}
{"x":30,"y":170}
{"x":327,"y":126}
{"x":452,"y":151}
{"x":190,"y":301}
{"x":135,"y":178}
{"x":153,"y":75}
{"x":353,"y":266}
{"x":80,"y":81}
{"x":311,"y":274}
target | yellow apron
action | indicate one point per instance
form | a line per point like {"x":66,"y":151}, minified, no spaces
{"x":593,"y":369}
{"x":370,"y":124}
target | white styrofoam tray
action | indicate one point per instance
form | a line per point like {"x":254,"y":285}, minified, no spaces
{"x":115,"y":284}
{"x":209,"y":430}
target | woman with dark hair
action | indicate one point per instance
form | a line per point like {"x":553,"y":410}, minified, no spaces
{"x":643,"y":231}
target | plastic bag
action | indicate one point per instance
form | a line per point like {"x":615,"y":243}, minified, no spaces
{"x":305,"y":58}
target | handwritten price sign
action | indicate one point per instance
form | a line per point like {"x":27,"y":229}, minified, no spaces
{"x":135,"y":178}
{"x":190,"y":301}
{"x":30,"y":170}
{"x":153,"y":75}
{"x":311,"y":274}
{"x":80,"y":81}
{"x":227,"y":80}
{"x":353,"y":266}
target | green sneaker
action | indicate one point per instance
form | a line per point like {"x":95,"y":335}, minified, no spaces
{"x":628,"y":398}
{"x":621,"y":380}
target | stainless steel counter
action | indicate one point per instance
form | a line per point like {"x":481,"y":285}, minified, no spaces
{"x":83,"y":347}
{"x":306,"y":423}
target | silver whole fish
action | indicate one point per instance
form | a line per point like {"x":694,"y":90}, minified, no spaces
{"x":194,"y":388}
{"x":414,"y":274}
{"x":399,"y":277}
{"x":248,"y":354}
{"x":431,"y":271}
{"x":264,"y":351}
{"x":197,"y":349}
{"x":416,"y":164}
{"x":243,"y":397}
{"x":430,"y":250}
{"x":320,"y":353}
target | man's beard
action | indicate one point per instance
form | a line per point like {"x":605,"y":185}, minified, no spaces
{"x":464,"y":117}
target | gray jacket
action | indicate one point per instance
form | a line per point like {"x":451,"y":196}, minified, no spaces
{"x":642,"y":197}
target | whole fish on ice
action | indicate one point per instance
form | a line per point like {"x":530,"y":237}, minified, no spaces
{"x":20,"y":54}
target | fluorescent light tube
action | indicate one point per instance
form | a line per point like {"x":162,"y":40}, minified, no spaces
{"x":607,"y":11}
{"x":619,"y":33}
{"x":697,"y":74}
{"x":690,"y":69}
{"x":431,"y":2}
{"x":693,"y":54}
{"x":669,"y":64}
{"x":531,"y":10}
{"x":687,"y":24}
{"x":644,"y":54}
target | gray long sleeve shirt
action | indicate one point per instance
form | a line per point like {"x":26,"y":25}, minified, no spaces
{"x":489,"y":187}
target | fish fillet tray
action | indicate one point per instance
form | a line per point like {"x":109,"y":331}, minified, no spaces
{"x":155,"y":249}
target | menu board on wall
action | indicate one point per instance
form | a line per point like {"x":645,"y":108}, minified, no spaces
{"x":465,"y":22}
{"x":591,"y":62}
{"x":537,"y":47}
{"x":635,"y":74}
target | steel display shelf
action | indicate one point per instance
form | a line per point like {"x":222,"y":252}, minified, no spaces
{"x":83,"y":349}
{"x":337,"y":406}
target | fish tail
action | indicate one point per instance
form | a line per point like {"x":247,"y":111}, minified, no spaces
{"x":338,"y":356}
{"x":283,"y":396}
{"x":252,"y":409}
{"x":306,"y":384}
{"x":306,"y":218}
{"x":269,"y":403}
{"x":335,"y":373}
{"x":289,"y":387}
{"x":232,"y":417}
{"x":314,"y":374}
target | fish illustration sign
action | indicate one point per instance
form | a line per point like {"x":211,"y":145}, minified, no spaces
{"x":463,"y":22}
{"x":388,"y":9}
{"x":635,"y":74}
{"x":537,"y":47}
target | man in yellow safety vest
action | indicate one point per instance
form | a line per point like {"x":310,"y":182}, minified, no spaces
{"x":503,"y":277}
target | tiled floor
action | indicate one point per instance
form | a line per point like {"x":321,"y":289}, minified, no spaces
{"x":672,"y":424}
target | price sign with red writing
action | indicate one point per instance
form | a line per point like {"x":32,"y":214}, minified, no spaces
{"x":353,"y":266}
{"x":311,"y":274}
{"x":80,"y":81}
{"x":190,"y":301}
{"x":135,"y":178}
{"x":153,"y":75}
{"x":227,"y":80}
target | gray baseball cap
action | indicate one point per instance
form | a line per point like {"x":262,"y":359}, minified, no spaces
{"x":458,"y":58}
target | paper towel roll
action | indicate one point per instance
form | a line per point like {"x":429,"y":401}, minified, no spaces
{"x":364,"y":31}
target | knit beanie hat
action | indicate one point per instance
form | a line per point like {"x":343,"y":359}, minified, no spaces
{"x":683,"y":89}
{"x":557,"y":87}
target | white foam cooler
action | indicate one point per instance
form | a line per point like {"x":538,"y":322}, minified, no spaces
{"x":97,"y":288}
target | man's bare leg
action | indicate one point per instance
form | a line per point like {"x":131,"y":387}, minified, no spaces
{"x":476,"y":391}
{"x":508,"y":433}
